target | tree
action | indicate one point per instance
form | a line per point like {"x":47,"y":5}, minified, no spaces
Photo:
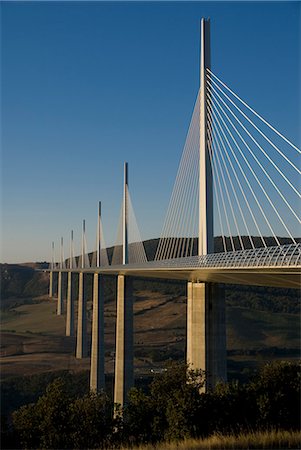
{"x":45,"y":423}
{"x":137,"y":417}
{"x":170,"y":410}
{"x":277,"y":393}
{"x":58,"y":420}
{"x":26,"y":424}
{"x":91,"y":424}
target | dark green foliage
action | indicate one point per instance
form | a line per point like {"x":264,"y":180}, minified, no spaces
{"x":277,"y":391}
{"x":271,"y":400}
{"x":58,"y":421}
{"x":14,"y":279}
{"x":43,"y":424}
{"x":229,"y":408}
{"x":138,"y":417}
{"x":161,"y":355}
{"x":23,"y":390}
{"x":172,"y":408}
{"x":91,"y":422}
{"x":175,"y":409}
{"x":277,"y":300}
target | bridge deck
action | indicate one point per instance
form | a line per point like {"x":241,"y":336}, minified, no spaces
{"x":278,"y":266}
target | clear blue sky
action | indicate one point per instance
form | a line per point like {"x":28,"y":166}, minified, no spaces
{"x":86,"y":86}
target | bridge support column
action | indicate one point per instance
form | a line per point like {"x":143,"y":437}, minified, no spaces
{"x":206,"y":331}
{"x":60,"y":296}
{"x":70,"y":307}
{"x":81,"y":338}
{"x":97,"y":373}
{"x":50,"y":284}
{"x":124,"y":367}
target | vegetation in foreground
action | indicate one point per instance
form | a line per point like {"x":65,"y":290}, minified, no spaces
{"x":173,"y":410}
{"x":272,"y":439}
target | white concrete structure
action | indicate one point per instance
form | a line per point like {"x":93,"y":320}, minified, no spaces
{"x":70,"y":307}
{"x":50,"y":284}
{"x":60,"y":294}
{"x":205,"y":244}
{"x":70,"y":296}
{"x":51,"y":273}
{"x":97,"y":372}
{"x":125,"y":249}
{"x":60,"y":285}
{"x":124,"y":371}
{"x":81,"y":338}
{"x":206,"y":330}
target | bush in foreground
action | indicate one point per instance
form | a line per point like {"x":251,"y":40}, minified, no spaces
{"x":172,"y":410}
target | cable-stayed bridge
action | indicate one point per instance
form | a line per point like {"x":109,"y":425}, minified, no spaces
{"x":238,"y":180}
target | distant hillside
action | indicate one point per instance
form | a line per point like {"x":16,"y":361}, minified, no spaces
{"x":262,"y":324}
{"x":152,"y":244}
{"x":21,"y":281}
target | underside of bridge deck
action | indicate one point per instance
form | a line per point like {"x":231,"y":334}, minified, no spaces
{"x":271,"y":277}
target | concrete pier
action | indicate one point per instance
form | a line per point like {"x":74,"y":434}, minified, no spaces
{"x":81,"y":338}
{"x":60,"y":296}
{"x":70,"y":307}
{"x":206,"y":331}
{"x":124,"y":367}
{"x":97,"y":373}
{"x":50,"y":284}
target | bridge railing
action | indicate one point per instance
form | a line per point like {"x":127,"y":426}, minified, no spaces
{"x":278,"y":256}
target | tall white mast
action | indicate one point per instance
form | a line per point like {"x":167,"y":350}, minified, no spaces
{"x":206,"y":243}
{"x":98,"y":236}
{"x":125,"y":255}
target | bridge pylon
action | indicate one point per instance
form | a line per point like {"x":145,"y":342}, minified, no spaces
{"x":60,"y":289}
{"x":70,"y":296}
{"x":81,"y":337}
{"x":51,"y":272}
{"x":97,"y":372}
{"x":124,"y":367}
{"x":206,"y":330}
{"x":205,"y":243}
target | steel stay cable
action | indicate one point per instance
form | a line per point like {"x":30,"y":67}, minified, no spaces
{"x":180,"y":207}
{"x":254,"y":112}
{"x":262,"y":134}
{"x":214,"y":166}
{"x":225,"y":184}
{"x":255,"y":176}
{"x":188,"y":199}
{"x":165,"y":238}
{"x":180,"y":174}
{"x":260,"y":165}
{"x":216,"y":194}
{"x":229,"y":177}
{"x":185,"y":192}
{"x":170,"y":219}
{"x":242,"y":172}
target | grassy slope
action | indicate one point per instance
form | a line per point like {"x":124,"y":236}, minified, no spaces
{"x":248,"y":328}
{"x":33,"y":336}
{"x":256,"y":440}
